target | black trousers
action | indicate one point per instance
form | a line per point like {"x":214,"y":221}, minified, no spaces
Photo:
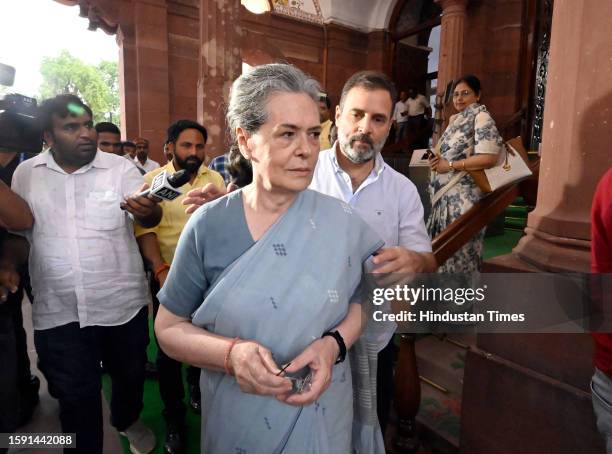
{"x":14,"y":361}
{"x":170,"y":376}
{"x":414,"y":124}
{"x":70,"y":361}
{"x":385,"y":383}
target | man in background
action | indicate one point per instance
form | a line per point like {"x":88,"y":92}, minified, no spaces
{"x":142,"y":155}
{"x":400,"y":117}
{"x":326,"y":121}
{"x":186,"y":141}
{"x":109,"y":138}
{"x":418,"y":110}
{"x":18,"y":387}
{"x":354,"y":171}
{"x":87,"y":275}
{"x":129,"y":149}
{"x":601,"y":262}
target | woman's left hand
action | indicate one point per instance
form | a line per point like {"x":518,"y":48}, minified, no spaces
{"x":439,"y":164}
{"x":320,"y":357}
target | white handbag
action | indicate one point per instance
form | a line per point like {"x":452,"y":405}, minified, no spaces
{"x":511,"y":167}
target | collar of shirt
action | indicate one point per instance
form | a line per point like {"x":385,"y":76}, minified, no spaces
{"x":379,"y":167}
{"x":46,"y":159}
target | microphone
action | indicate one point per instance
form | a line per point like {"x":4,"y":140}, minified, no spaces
{"x":166,"y":186}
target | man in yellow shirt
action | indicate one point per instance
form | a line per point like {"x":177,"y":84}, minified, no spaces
{"x":326,"y":122}
{"x":186,"y":142}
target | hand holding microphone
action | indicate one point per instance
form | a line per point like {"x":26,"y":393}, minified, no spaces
{"x":166,"y":186}
{"x":163,"y":187}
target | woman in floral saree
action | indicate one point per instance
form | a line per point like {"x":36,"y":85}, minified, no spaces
{"x":470,"y":142}
{"x":263,"y":287}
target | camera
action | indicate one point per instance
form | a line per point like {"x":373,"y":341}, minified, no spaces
{"x":19,"y":127}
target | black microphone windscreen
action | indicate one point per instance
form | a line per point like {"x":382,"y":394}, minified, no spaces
{"x":178,"y":179}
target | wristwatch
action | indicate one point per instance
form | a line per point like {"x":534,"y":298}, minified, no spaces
{"x":341,"y":345}
{"x":450,"y":164}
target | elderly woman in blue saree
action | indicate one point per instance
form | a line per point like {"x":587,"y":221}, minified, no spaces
{"x":470,"y":142}
{"x":263,"y":287}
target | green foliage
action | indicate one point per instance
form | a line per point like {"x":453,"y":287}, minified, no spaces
{"x":98,"y":86}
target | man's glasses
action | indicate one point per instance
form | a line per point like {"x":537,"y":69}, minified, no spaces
{"x":463,"y":93}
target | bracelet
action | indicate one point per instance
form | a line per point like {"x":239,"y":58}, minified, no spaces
{"x":341,"y":345}
{"x":160,"y":269}
{"x":227,"y":356}
{"x":450,"y":164}
{"x":463,"y":162}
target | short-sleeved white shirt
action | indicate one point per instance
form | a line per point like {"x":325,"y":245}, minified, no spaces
{"x":386,"y":200}
{"x":417,"y":105}
{"x":397,"y":112}
{"x":85,"y":264}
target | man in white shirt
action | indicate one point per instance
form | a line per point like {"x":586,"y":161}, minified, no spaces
{"x":142,"y":155}
{"x":354,"y":171}
{"x":109,"y":138}
{"x":400,"y":118}
{"x":87,"y":275}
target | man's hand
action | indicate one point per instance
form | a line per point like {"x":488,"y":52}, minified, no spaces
{"x":199,"y":196}
{"x":9,"y":282}
{"x":145,"y":209}
{"x":400,"y":260}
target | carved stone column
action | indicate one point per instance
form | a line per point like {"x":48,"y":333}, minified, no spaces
{"x":128,"y":83}
{"x":145,"y":74}
{"x":220,"y":65}
{"x":451,"y":41}
{"x":577,"y":133}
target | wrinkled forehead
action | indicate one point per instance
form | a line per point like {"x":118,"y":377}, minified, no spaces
{"x":292,"y":108}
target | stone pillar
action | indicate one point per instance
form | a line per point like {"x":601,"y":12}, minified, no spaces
{"x":451,"y":41}
{"x":220,"y":65}
{"x":128,"y":83}
{"x":151,"y":52}
{"x":577,"y":133}
{"x":451,"y":50}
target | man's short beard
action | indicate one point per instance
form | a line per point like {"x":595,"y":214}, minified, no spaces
{"x":363,"y":153}
{"x":191,"y":164}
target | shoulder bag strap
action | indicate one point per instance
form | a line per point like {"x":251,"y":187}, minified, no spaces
{"x":453,"y":181}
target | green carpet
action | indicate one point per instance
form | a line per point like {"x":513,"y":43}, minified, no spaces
{"x":501,"y":244}
{"x":152,"y":413}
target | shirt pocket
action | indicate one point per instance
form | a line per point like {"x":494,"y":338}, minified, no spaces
{"x":102,"y":211}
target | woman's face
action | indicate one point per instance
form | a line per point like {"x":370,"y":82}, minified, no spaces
{"x":284,"y":151}
{"x":463,"y":96}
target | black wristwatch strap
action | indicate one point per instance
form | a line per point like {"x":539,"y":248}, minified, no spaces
{"x":341,"y":345}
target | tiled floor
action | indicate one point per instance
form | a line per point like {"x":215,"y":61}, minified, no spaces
{"x":46,"y":415}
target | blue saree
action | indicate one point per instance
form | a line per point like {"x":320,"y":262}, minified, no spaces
{"x":285,"y":291}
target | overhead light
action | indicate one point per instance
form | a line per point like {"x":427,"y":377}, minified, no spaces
{"x":256,"y":6}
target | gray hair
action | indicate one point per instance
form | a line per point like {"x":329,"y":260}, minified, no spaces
{"x":250,"y":93}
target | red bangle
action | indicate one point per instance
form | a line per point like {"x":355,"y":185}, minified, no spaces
{"x":227,"y":356}
{"x":160,"y":269}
